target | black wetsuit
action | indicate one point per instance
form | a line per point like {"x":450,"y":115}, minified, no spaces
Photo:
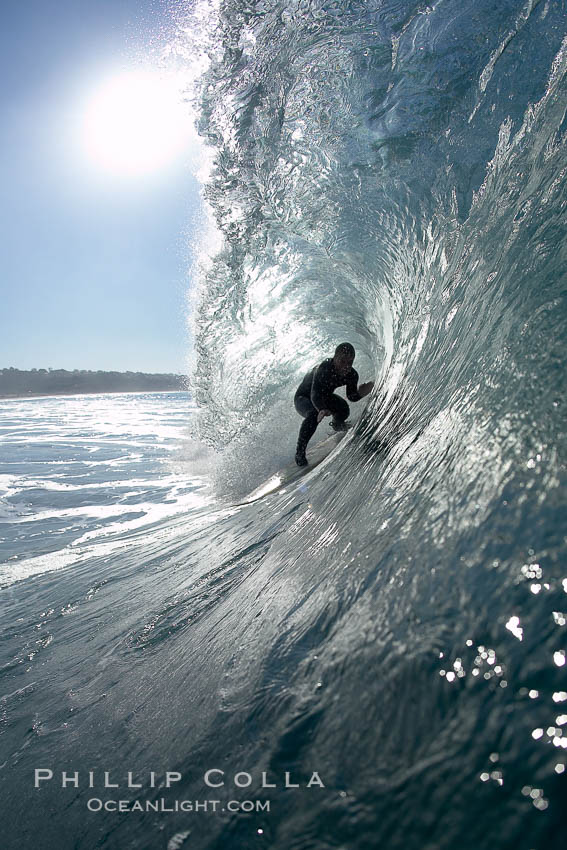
{"x":316,"y":392}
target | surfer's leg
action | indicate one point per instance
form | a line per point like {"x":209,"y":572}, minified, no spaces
{"x":340,"y":410}
{"x":308,"y":426}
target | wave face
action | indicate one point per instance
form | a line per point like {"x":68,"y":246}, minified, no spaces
{"x":393,"y":173}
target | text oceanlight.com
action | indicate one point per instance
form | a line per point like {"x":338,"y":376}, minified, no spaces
{"x":161,"y":805}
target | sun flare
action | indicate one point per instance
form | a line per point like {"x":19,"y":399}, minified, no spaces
{"x":136,"y":122}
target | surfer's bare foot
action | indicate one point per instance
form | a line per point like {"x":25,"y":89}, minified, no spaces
{"x":300,"y":459}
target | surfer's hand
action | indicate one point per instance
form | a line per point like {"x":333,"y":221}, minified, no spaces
{"x":322,"y":414}
{"x":364,"y":389}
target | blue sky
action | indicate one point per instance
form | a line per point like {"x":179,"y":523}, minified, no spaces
{"x":94,"y":263}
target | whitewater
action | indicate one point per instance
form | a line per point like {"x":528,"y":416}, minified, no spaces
{"x":392,"y":174}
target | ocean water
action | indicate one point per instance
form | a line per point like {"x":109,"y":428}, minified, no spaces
{"x":389,"y":635}
{"x":79,"y":469}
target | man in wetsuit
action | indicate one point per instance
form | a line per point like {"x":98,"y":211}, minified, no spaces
{"x":315,"y":397}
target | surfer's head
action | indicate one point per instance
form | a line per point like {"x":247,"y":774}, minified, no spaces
{"x":344,"y":357}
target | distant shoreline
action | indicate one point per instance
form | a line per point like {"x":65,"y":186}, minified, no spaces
{"x":41,"y":383}
{"x":30,"y":397}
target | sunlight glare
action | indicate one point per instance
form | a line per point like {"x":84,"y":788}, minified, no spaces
{"x":136,"y":122}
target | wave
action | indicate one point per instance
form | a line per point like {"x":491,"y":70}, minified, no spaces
{"x":391,"y":173}
{"x":381,"y":175}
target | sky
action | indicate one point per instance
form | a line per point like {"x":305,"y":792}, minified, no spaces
{"x":95,"y":244}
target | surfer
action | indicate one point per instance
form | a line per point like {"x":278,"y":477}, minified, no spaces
{"x":315,"y":397}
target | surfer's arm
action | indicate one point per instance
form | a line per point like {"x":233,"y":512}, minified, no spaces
{"x":352,"y":393}
{"x":356,"y":391}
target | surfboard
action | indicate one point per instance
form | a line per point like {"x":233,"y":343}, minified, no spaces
{"x":292,"y":473}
